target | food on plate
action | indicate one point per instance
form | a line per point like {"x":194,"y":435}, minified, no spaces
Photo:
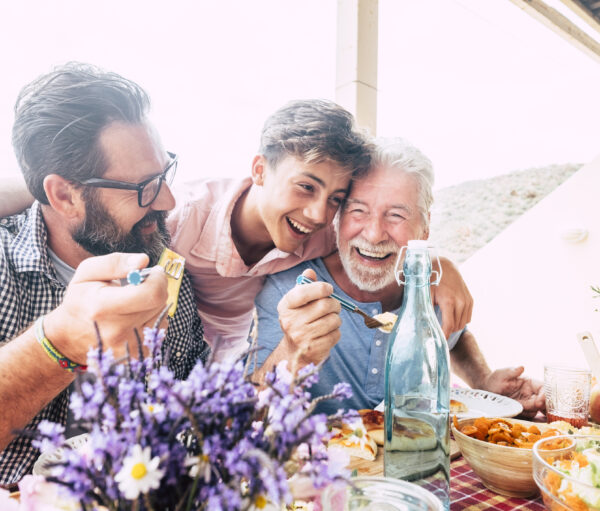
{"x":583,"y":465}
{"x":567,"y":428}
{"x":354,"y":439}
{"x":506,"y":432}
{"x":374,"y":424}
{"x":388,"y":319}
{"x":412,"y":434}
{"x":458,"y":407}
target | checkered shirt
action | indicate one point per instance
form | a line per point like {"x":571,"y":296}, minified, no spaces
{"x":29,"y":288}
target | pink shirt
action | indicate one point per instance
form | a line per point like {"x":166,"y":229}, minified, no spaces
{"x":224,"y":286}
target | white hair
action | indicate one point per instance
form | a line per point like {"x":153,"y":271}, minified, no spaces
{"x":402,"y":155}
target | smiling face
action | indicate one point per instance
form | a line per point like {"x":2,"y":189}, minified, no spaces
{"x":297,"y":199}
{"x":379,"y":218}
{"x":114,"y":222}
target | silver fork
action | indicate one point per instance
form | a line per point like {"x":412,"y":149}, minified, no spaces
{"x":173,"y":269}
{"x":369,"y":321}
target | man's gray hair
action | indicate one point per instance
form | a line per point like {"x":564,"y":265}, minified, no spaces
{"x":60,"y":116}
{"x":402,"y":155}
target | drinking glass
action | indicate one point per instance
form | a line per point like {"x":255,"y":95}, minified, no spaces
{"x":567,"y":392}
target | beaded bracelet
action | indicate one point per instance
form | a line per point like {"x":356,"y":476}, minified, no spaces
{"x":52,"y":352}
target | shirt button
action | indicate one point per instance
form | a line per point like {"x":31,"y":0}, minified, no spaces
{"x":373,"y":312}
{"x":377,"y":343}
{"x":4,"y":221}
{"x":374,"y":370}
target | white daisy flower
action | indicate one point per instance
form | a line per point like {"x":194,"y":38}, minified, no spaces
{"x":139,"y":473}
{"x":198,"y":465}
{"x":358,"y":434}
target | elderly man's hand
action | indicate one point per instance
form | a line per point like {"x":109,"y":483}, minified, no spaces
{"x":92,"y":296}
{"x":310,"y":321}
{"x":508,"y":382}
{"x":453,"y":298}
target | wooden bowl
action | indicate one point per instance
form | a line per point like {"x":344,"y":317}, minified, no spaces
{"x":504,"y":470}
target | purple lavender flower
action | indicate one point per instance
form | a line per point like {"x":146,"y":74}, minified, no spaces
{"x":238,"y":440}
{"x":52,"y":436}
{"x":342,"y":390}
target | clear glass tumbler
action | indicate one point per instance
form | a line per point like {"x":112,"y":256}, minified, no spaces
{"x":567,"y":392}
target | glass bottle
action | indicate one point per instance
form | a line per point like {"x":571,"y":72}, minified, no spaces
{"x":417,"y":384}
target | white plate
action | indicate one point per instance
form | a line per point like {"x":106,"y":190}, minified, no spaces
{"x":481,"y":403}
{"x":40,"y":466}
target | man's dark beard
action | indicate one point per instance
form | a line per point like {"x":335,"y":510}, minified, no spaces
{"x":99,"y":234}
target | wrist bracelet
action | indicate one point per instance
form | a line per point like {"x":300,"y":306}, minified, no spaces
{"x":52,"y":352}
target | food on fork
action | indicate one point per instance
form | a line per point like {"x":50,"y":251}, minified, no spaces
{"x":388,"y":319}
{"x":458,"y":407}
{"x":374,"y":424}
{"x":173,"y":264}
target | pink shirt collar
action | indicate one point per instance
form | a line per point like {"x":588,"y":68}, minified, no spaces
{"x":216,"y":244}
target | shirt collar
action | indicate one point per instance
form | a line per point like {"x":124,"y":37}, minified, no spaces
{"x":29,"y":246}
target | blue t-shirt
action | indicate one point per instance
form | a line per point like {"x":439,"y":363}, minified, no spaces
{"x":359,"y":356}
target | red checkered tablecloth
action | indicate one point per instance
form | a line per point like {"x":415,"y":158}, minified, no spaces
{"x":468,"y":493}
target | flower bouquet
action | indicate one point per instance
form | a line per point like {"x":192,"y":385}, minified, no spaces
{"x":212,"y":441}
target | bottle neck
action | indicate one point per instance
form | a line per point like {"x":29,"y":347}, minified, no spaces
{"x":417,"y":293}
{"x":417,"y":275}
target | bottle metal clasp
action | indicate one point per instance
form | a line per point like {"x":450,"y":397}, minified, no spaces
{"x":399,"y":271}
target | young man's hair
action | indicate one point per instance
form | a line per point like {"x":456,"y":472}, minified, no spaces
{"x":60,"y":116}
{"x":314,"y":131}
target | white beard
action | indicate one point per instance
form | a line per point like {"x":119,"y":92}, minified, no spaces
{"x":364,"y":277}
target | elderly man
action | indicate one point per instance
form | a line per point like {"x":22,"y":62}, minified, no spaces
{"x":100,"y":177}
{"x":385,"y":209}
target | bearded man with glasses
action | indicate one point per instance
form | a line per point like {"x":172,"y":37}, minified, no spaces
{"x":100,"y":177}
{"x":100,"y":234}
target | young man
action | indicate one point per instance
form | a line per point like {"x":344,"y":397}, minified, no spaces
{"x":100,"y":175}
{"x":235,"y":232}
{"x":385,"y":209}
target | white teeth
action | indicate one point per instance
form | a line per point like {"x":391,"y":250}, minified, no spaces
{"x":300,"y":227}
{"x":375,"y":255}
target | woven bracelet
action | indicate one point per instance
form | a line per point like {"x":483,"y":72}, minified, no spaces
{"x":52,"y":352}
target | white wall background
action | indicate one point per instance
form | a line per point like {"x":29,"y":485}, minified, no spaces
{"x":214,"y":69}
{"x":484,"y":89}
{"x":532,"y":288}
{"x":479,"y":85}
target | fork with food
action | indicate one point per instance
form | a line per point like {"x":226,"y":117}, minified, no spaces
{"x":370,"y":322}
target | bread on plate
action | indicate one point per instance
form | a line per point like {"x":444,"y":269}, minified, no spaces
{"x":354,"y":439}
{"x":374,"y":424}
{"x":412,"y":434}
{"x":458,"y":407}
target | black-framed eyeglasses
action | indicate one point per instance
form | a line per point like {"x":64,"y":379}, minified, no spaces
{"x":147,"y":190}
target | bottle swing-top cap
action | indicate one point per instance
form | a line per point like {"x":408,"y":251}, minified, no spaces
{"x":415,"y":245}
{"x":418,"y":244}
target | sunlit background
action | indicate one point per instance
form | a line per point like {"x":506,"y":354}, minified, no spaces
{"x":479,"y":85}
